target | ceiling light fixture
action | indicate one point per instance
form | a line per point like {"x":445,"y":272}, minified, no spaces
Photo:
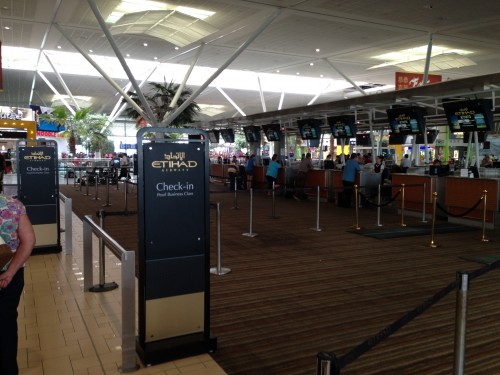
{"x":415,"y":54}
{"x":7,"y":28}
{"x":145,"y":44}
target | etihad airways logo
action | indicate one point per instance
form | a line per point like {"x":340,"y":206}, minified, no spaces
{"x":37,"y":156}
{"x":174,"y":162}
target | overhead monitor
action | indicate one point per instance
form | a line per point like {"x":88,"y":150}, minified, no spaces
{"x":431,"y":137}
{"x":363,"y":139}
{"x":398,"y":138}
{"x":309,"y":129}
{"x":227,"y":135}
{"x":342,"y":126}
{"x":407,"y":120}
{"x":469,"y":115}
{"x":213,"y":136}
{"x":272,"y":132}
{"x":252,"y":133}
{"x":481,"y":137}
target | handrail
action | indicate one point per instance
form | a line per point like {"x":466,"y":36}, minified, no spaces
{"x":127,"y":286}
{"x":68,"y":223}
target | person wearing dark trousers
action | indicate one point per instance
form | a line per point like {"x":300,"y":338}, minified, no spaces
{"x":272,"y":173}
{"x":348,"y":179}
{"x":18,"y":236}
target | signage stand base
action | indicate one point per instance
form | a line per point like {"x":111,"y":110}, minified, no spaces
{"x":153,"y":353}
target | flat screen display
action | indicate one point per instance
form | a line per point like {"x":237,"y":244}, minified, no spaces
{"x":363,"y":139}
{"x":397,"y":138}
{"x":213,"y":136}
{"x":309,"y":129}
{"x":431,"y":137}
{"x":469,"y":115}
{"x":481,"y":137}
{"x":272,"y":132}
{"x":407,"y":120}
{"x":227,"y":135}
{"x":252,"y":133}
{"x":342,"y":126}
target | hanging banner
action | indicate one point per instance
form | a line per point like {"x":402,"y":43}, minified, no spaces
{"x":409,"y":80}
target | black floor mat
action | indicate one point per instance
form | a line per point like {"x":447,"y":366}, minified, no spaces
{"x":420,"y":230}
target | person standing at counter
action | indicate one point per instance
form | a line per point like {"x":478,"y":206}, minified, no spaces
{"x":300,"y":180}
{"x":272,"y":173}
{"x":405,"y":163}
{"x":348,"y":179}
{"x":379,"y":167}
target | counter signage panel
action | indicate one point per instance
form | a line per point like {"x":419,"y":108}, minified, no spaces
{"x":272,"y":132}
{"x":309,"y":129}
{"x":469,"y":115}
{"x":252,"y":133}
{"x":342,"y":126}
{"x":363,"y":139}
{"x":174,"y":187}
{"x":407,"y":120}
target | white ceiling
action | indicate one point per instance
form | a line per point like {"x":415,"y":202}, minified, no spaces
{"x":348,"y":33}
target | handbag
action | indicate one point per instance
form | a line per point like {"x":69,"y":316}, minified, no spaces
{"x":5,"y":253}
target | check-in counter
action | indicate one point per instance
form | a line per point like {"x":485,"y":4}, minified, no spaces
{"x":463,"y":193}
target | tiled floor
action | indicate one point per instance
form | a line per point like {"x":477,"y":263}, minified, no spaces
{"x":64,"y":331}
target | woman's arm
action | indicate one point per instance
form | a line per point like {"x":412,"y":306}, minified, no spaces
{"x":26,"y":243}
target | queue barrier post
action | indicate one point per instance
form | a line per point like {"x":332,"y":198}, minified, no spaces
{"x":484,"y":238}
{"x":460,"y":322}
{"x":219,"y":270}
{"x":102,"y":286}
{"x":423,"y":203}
{"x":379,"y":200}
{"x":273,"y":203}
{"x":96,"y":183}
{"x":326,"y":364}
{"x":356,"y":205}
{"x":434,"y":203}
{"x":403,"y":205}
{"x":107,"y":192}
{"x":235,"y":200}
{"x":250,"y":233}
{"x":317,"y":228}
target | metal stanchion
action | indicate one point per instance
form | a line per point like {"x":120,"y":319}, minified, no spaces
{"x":250,"y":233}
{"x":378,"y":208}
{"x":356,"y":198}
{"x":423,"y":204}
{"x":273,"y":203}
{"x":96,"y":183}
{"x":219,"y":270}
{"x":235,"y":200}
{"x":107,"y":193}
{"x":126,"y":194}
{"x":461,"y":322}
{"x":484,"y":238}
{"x":103,"y":286}
{"x":434,"y":202}
{"x":326,"y":364}
{"x":317,"y":229}
{"x":86,"y":186}
{"x":403,"y":205}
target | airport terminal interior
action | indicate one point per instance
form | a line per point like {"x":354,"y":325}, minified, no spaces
{"x":394,"y":272}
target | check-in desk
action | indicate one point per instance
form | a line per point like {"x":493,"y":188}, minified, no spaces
{"x":463,"y":193}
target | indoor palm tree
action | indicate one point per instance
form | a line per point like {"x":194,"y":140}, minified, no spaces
{"x":160,"y":98}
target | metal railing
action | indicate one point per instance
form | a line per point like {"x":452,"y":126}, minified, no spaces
{"x":68,"y":223}
{"x":128,"y":291}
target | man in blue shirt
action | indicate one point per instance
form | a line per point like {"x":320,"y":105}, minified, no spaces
{"x":348,"y":179}
{"x":249,"y":170}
